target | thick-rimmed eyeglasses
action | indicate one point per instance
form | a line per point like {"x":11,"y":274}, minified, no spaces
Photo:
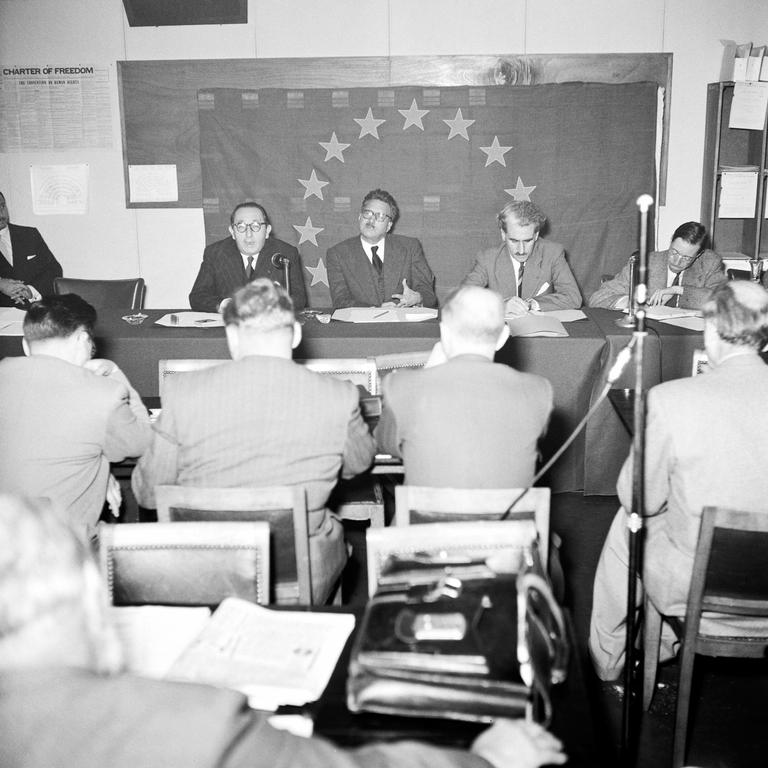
{"x":370,"y":215}
{"x":254,"y":226}
{"x":682,"y":256}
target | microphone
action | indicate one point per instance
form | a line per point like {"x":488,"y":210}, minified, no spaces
{"x":279,"y":261}
{"x":644,"y":202}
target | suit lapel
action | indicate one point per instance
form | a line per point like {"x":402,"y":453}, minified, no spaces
{"x":394,"y":264}
{"x":532,"y":277}
{"x":233,"y":264}
{"x":505,"y":273}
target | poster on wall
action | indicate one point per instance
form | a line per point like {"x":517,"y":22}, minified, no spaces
{"x":54,"y":107}
{"x":59,"y":189}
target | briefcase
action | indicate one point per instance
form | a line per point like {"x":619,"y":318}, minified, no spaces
{"x":459,"y":640}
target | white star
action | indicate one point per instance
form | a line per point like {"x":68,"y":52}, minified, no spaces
{"x":458,"y":126}
{"x":495,"y":153}
{"x":369,"y":125}
{"x":520,"y":191}
{"x":413,"y":116}
{"x":308,"y":232}
{"x":319,"y":273}
{"x":333,"y":148}
{"x":313,"y":185}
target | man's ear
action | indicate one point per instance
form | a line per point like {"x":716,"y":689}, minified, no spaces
{"x":25,"y":347}
{"x":503,"y":336}
{"x":268,"y":230}
{"x":231,"y":232}
{"x":233,"y":340}
{"x":296,"y":334}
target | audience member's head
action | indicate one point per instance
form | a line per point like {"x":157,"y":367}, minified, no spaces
{"x":249,"y":226}
{"x":259,"y":320}
{"x":60,"y":326}
{"x":52,"y":602}
{"x":736,"y":319}
{"x":378,"y":214}
{"x":688,"y":241}
{"x":472,"y":322}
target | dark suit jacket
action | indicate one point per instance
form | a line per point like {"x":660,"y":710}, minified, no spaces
{"x":355,"y":283}
{"x":468,"y":423}
{"x":67,"y":718}
{"x":222,"y":272}
{"x":546,"y":266}
{"x":33,"y":262}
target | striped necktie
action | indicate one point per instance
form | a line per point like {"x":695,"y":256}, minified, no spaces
{"x":249,"y":269}
{"x":520,"y":273}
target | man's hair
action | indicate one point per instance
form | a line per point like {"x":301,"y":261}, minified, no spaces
{"x":739,"y":311}
{"x":58,"y":317}
{"x":692,"y":232}
{"x":248,"y":204}
{"x":524,"y":211}
{"x":41,"y":563}
{"x":384,"y":197}
{"x":261,"y":305}
{"x":475,"y":314}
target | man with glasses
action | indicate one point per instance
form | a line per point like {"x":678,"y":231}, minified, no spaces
{"x":230,"y":263}
{"x":682,"y":276}
{"x":64,"y":416}
{"x":376,"y":268}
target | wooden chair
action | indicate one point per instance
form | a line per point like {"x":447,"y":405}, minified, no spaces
{"x":283,"y":507}
{"x":361,"y":371}
{"x":128,"y":294}
{"x":166,"y":368}
{"x":729,"y":582}
{"x":194,"y":564}
{"x":417,"y":504}
{"x":394,"y":361}
{"x":359,"y":498}
{"x":481,"y":538}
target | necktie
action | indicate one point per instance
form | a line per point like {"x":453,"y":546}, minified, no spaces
{"x":375,"y":260}
{"x":676,"y":297}
{"x":520,"y":273}
{"x":249,"y":269}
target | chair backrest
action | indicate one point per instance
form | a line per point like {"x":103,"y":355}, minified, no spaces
{"x":193,"y":564}
{"x":166,"y":368}
{"x":284,"y":508}
{"x":393,"y":361}
{"x":123,"y":294}
{"x":418,"y":504}
{"x":482,"y":538}
{"x":361,"y":371}
{"x":699,"y":362}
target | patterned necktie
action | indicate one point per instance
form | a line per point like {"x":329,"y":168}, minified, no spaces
{"x":675,"y":299}
{"x":375,"y":260}
{"x":249,"y":269}
{"x":520,"y":273}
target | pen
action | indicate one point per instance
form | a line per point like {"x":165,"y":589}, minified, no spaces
{"x":381,"y":314}
{"x":204,"y":320}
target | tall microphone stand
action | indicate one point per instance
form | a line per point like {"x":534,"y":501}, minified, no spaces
{"x":635,"y":520}
{"x":629,"y":320}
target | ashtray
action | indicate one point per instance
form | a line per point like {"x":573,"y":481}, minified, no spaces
{"x":136,"y":319}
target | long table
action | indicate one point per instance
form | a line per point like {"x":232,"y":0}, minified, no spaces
{"x":577,"y":367}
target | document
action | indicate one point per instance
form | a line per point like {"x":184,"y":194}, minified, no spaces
{"x":11,"y":321}
{"x":748,"y":109}
{"x":663,"y":312}
{"x":273,"y":657}
{"x":536,"y":324}
{"x":738,"y":194}
{"x":191,"y":320}
{"x":384,"y":314}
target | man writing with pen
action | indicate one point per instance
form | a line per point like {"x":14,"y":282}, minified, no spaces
{"x":530,"y":273}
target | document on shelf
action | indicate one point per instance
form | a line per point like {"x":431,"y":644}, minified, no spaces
{"x":748,"y":109}
{"x":384,"y":314}
{"x":273,"y":657}
{"x":738,"y":195}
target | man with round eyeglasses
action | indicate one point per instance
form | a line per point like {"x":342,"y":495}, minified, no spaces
{"x":377,"y":268}
{"x":246,"y":254}
{"x":682,"y":276}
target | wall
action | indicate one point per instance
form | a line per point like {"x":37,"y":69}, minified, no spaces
{"x":165,"y":246}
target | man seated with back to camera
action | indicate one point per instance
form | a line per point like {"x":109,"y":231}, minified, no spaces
{"x":465,"y":421}
{"x":705,"y":445}
{"x":261,"y":420}
{"x":682,"y":276}
{"x":246,"y":254}
{"x":65,"y":702}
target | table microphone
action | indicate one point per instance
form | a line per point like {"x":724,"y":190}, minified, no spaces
{"x":283,"y":262}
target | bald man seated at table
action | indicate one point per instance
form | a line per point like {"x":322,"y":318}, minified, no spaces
{"x":465,"y":421}
{"x":64,"y":702}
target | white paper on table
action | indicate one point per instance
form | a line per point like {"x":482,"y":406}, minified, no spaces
{"x":564,"y":315}
{"x":664,"y":312}
{"x":383,"y":314}
{"x":748,"y":109}
{"x":692,"y":323}
{"x":191,"y":320}
{"x":11,"y":321}
{"x":738,"y":193}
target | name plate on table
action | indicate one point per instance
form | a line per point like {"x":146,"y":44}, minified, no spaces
{"x":383,"y":314}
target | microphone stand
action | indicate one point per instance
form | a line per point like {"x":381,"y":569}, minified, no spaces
{"x":635,"y":522}
{"x":629,"y":320}
{"x":283,"y":262}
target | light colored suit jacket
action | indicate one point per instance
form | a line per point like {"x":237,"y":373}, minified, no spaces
{"x":33,"y":262}
{"x":61,"y":425}
{"x":468,"y":423}
{"x":698,"y":280}
{"x":355,"y":283}
{"x":222,"y":273}
{"x":705,"y":445}
{"x":262,"y":421}
{"x":547,"y":276}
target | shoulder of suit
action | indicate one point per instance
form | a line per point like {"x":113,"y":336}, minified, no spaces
{"x":402,"y":240}
{"x":549,"y":247}
{"x":348,"y":244}
{"x":20,"y":229}
{"x":275,"y":245}
{"x":220,"y":246}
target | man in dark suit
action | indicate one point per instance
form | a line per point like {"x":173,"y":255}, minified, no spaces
{"x":262,"y":419}
{"x":682,"y":276}
{"x":377,"y":268}
{"x":27,"y":266}
{"x":528,"y":272}
{"x":64,"y":701}
{"x":465,"y":421}
{"x":247,"y":254}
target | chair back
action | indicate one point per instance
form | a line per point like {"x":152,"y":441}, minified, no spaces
{"x":166,"y":368}
{"x":123,"y":294}
{"x":482,"y":538}
{"x":284,"y":508}
{"x":361,"y":371}
{"x":195,"y":564}
{"x":394,"y":361}
{"x":418,"y":504}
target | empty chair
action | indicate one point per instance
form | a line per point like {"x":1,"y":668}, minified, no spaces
{"x":122,"y":294}
{"x":727,"y":611}
{"x":284,"y":508}
{"x":417,"y":504}
{"x":194,"y":564}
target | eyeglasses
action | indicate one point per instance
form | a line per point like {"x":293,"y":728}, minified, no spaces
{"x":681,"y":256}
{"x":254,"y":226}
{"x":370,"y":215}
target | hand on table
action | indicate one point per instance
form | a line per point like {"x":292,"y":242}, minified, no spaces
{"x":16,"y":290}
{"x":408,"y":298}
{"x":662,"y":294}
{"x":516,"y":307}
{"x":518,"y":744}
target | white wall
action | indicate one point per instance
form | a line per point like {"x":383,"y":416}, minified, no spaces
{"x":165,"y":246}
